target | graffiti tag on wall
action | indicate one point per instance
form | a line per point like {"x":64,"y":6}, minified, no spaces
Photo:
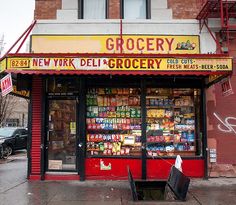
{"x":226,"y":125}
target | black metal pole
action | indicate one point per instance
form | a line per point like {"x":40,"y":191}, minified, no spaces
{"x":82,"y":129}
{"x":204,"y":140}
{"x":143,"y":127}
{"x":29,"y":126}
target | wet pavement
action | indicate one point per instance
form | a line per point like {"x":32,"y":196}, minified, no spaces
{"x":15,"y":189}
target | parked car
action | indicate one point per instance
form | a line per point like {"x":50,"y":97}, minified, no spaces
{"x":13,"y":138}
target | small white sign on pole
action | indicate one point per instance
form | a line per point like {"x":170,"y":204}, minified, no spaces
{"x":6,"y":84}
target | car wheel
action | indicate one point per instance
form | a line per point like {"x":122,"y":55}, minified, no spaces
{"x":9,"y":150}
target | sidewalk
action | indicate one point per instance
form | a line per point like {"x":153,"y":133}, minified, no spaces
{"x":210,"y":192}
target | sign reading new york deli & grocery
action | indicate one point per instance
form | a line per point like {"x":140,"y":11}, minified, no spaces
{"x":6,"y":84}
{"x":121,"y":64}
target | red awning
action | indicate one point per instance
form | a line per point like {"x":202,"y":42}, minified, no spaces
{"x":77,"y":72}
{"x":117,"y":64}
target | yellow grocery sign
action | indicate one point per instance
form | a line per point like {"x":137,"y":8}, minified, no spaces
{"x":121,"y":64}
{"x":135,"y":44}
{"x":2,"y":65}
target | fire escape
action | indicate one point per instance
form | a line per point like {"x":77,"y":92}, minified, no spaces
{"x":225,"y":10}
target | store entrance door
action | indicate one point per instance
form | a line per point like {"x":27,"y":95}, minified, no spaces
{"x":61,"y":136}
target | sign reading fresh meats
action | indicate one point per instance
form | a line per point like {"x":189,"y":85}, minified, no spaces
{"x":138,"y":64}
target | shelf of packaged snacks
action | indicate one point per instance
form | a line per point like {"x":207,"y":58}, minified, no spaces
{"x":159,"y":106}
{"x":161,"y":154}
{"x":116,"y":130}
{"x":158,"y":96}
{"x":108,"y":106}
{"x":169,"y":142}
{"x":159,"y":118}
{"x":183,"y":106}
{"x":116,"y":117}
{"x":114,"y":94}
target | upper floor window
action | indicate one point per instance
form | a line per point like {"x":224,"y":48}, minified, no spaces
{"x":94,"y":9}
{"x":135,"y":9}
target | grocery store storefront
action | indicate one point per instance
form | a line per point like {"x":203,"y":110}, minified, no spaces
{"x":93,"y":115}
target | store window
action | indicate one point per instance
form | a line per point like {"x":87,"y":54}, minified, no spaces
{"x":60,"y":86}
{"x":173,"y":122}
{"x":93,"y":9}
{"x":135,"y":9}
{"x":113,"y":122}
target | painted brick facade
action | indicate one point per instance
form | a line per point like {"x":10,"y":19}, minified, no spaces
{"x":46,"y":9}
{"x":114,"y":9}
{"x":224,"y":107}
{"x":181,"y":11}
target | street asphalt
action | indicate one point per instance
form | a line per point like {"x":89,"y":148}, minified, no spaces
{"x":15,"y":189}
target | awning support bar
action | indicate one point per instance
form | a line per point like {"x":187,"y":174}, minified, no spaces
{"x":26,"y":34}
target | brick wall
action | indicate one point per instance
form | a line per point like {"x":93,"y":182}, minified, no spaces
{"x":220,"y":137}
{"x":185,"y":9}
{"x":114,"y":9}
{"x":46,"y":9}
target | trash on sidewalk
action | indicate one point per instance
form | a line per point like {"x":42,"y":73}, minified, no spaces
{"x":178,"y":163}
{"x":176,"y":186}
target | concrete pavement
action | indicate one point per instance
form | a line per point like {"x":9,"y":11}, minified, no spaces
{"x":15,"y":189}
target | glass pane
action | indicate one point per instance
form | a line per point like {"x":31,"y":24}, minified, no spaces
{"x":62,"y":86}
{"x":113,"y":122}
{"x":94,"y":9}
{"x":172,"y":122}
{"x":62,"y":135}
{"x":134,"y":9}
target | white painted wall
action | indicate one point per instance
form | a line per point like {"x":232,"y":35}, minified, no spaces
{"x":159,"y":10}
{"x":152,"y":27}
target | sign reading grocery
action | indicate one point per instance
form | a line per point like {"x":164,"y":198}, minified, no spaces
{"x":115,"y":44}
{"x":121,"y":64}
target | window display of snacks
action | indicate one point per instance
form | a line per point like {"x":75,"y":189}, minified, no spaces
{"x":113,"y":122}
{"x":170,"y":122}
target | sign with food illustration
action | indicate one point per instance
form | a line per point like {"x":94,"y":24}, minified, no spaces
{"x":135,"y":44}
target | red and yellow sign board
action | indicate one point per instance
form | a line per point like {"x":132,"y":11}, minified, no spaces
{"x":135,"y":44}
{"x":121,"y":64}
{"x":21,"y":93}
{"x":2,"y":65}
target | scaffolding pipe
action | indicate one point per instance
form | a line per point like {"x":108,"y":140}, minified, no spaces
{"x":217,"y":42}
{"x":121,"y":36}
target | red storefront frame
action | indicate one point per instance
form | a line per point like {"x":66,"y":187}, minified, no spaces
{"x":157,"y":168}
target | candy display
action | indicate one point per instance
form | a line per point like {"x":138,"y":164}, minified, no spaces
{"x":113,"y":122}
{"x":170,"y":122}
